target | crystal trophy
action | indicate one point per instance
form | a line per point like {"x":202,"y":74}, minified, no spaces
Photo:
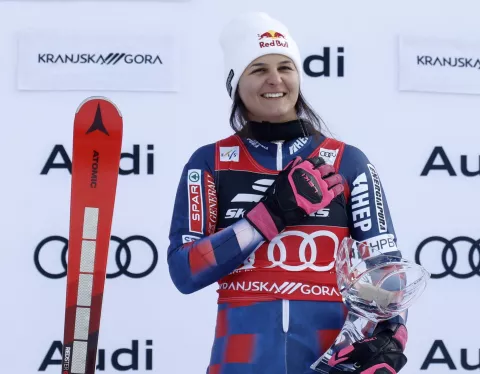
{"x":375,"y":287}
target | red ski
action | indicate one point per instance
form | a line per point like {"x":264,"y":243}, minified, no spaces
{"x":97,"y":141}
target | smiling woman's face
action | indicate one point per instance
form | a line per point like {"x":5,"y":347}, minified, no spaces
{"x":269,"y":88}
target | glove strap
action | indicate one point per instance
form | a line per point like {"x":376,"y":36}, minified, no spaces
{"x":401,"y":335}
{"x":379,"y":369}
{"x":260,"y":218}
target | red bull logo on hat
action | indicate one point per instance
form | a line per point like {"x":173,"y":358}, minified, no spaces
{"x":272,"y":39}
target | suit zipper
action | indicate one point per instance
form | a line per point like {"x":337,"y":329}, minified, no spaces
{"x":279,"y":156}
{"x":285,"y":315}
{"x":285,"y":303}
{"x":285,"y":325}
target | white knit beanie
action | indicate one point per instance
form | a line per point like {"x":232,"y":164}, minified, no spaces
{"x":250,"y":36}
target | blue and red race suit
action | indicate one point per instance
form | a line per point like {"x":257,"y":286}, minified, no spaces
{"x":279,"y":306}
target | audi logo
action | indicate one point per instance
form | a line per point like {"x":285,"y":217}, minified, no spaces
{"x":60,"y":244}
{"x":277,"y":252}
{"x":449,"y":263}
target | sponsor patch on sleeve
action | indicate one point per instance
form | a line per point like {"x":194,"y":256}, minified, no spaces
{"x":379,"y":207}
{"x":383,"y":243}
{"x":195,"y":203}
{"x":189,"y":238}
{"x":211,"y":198}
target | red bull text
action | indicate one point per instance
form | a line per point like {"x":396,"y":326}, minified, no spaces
{"x":272,"y":39}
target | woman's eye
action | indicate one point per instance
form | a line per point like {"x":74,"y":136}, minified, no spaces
{"x":261,"y":70}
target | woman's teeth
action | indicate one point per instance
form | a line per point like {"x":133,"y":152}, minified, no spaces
{"x":273,"y":95}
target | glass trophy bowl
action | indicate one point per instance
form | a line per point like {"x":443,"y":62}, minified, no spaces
{"x":375,"y":287}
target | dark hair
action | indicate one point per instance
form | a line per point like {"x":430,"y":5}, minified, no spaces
{"x":310,"y":119}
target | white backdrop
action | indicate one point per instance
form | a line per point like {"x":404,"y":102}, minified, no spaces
{"x":398,"y":130}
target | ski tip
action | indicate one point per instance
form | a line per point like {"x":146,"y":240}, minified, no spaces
{"x":98,"y":98}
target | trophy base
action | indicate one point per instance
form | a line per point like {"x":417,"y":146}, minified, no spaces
{"x":355,"y":328}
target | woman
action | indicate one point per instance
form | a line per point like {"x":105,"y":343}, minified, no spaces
{"x":263,"y":211}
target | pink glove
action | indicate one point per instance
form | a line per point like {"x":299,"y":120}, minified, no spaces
{"x":380,"y":354}
{"x":302,"y":188}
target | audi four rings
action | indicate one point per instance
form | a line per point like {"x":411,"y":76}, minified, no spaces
{"x":449,"y":247}
{"x":277,"y":248}
{"x":123,"y":246}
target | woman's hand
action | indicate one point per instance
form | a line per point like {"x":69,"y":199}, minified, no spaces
{"x":380,"y":354}
{"x":302,"y":188}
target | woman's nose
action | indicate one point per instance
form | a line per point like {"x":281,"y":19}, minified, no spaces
{"x":274,"y":77}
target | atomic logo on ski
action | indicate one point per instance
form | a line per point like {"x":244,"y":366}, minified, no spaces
{"x":98,"y":123}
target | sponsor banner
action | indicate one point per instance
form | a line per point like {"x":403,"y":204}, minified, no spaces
{"x":49,"y":61}
{"x":433,"y":64}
